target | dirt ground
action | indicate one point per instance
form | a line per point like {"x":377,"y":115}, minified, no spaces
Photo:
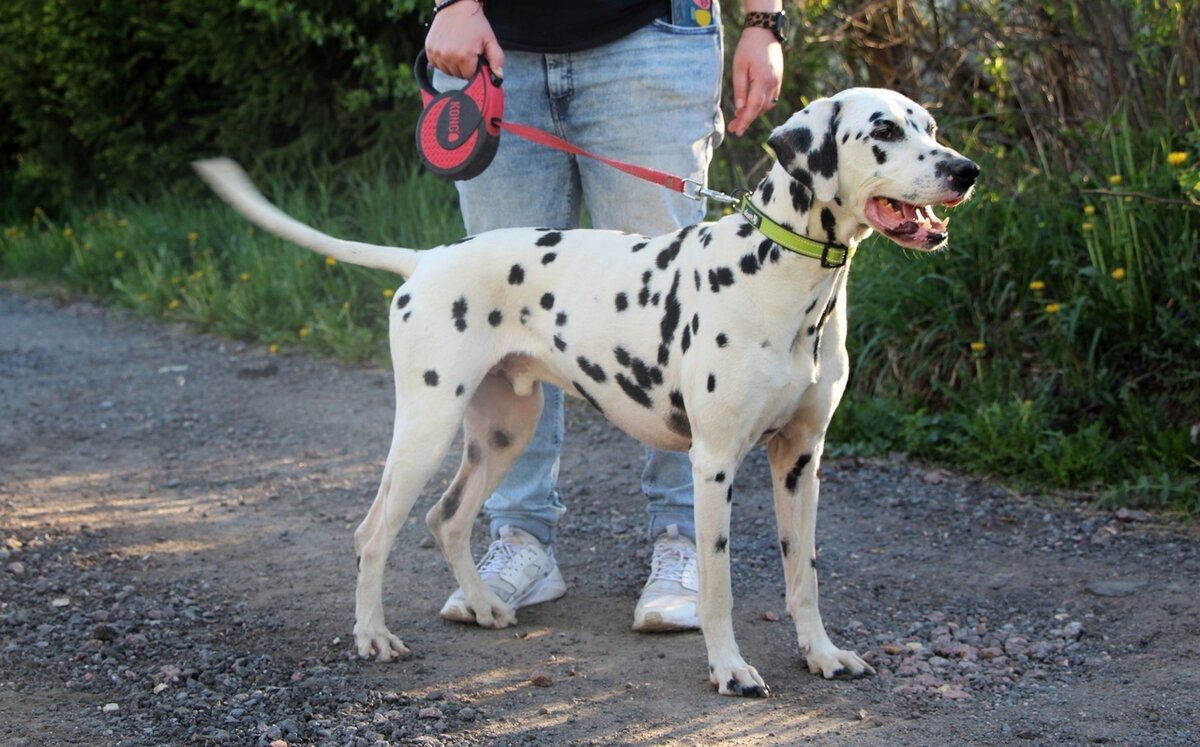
{"x":177,"y":567}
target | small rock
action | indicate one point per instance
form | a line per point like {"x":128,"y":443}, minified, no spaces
{"x":467,"y":714}
{"x":110,"y":708}
{"x":60,"y":602}
{"x":425,"y":542}
{"x":891,"y":649}
{"x":1115,"y":588}
{"x":104,"y":632}
{"x":1127,"y":514}
{"x":16,"y":568}
{"x":430,"y":712}
{"x":279,"y":743}
{"x":160,"y":687}
{"x":258,"y":371}
{"x":541,"y":678}
{"x":770,"y":616}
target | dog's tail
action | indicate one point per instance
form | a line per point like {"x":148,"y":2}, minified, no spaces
{"x":229,"y":181}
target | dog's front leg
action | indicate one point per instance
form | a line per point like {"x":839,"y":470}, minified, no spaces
{"x":795,"y":456}
{"x":713,"y":478}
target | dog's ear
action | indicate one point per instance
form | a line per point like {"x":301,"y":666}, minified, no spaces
{"x":806,"y":146}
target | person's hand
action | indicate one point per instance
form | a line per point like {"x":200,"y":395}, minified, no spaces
{"x":757,"y":77}
{"x":459,"y":34}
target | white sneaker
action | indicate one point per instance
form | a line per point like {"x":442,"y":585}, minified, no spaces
{"x":672,"y":591}
{"x":518,"y":569}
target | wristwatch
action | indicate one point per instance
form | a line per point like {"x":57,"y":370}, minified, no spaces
{"x":777,"y":23}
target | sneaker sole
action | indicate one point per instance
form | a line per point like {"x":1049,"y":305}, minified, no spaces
{"x":654,"y":622}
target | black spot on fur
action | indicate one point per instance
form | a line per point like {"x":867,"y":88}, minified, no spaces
{"x":812,"y":306}
{"x":594,"y":371}
{"x":643,"y":296}
{"x":621,"y":301}
{"x":829,"y":223}
{"x":547,"y":301}
{"x":880,"y":154}
{"x":875,"y":116}
{"x":783,"y":547}
{"x":718,"y":277}
{"x":729,"y":495}
{"x":676,"y":398}
{"x":696,"y":278}
{"x":473,"y":452}
{"x":720,"y":477}
{"x":516,"y":275}
{"x":705,"y":236}
{"x":722,"y":340}
{"x":550,"y":239}
{"x":695,"y":323}
{"x":459,"y":311}
{"x":749,"y":263}
{"x":712,"y":382}
{"x":451,"y":501}
{"x":639,"y":246}
{"x":587,"y":397}
{"x":560,"y":343}
{"x":671,"y":314}
{"x":813,"y":562}
{"x":685,"y":340}
{"x":402,"y":301}
{"x":801,"y":191}
{"x":525,"y":312}
{"x":766,"y":192}
{"x":495,"y":318}
{"x":793,"y":477}
{"x":560,"y":319}
{"x":745,"y":230}
{"x":407,"y":314}
{"x":678,"y":423}
{"x":824,"y":160}
{"x":633,"y":391}
{"x":459,"y":390}
{"x":501,"y":440}
{"x":549,"y":257}
{"x":722,"y":543}
{"x":431,"y":377}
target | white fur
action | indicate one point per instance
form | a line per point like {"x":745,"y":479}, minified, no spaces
{"x":607,"y":316}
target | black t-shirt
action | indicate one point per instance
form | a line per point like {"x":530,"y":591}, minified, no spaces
{"x":568,"y":25}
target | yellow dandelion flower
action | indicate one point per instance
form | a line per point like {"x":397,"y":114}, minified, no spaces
{"x":1118,"y":274}
{"x":245,"y":276}
{"x":38,"y":212}
{"x":273,"y":349}
{"x":122,"y":223}
{"x":118,"y":255}
{"x":175,"y":279}
{"x":345,"y":305}
{"x":12,"y":232}
{"x":87,"y":247}
{"x":1177,"y":158}
{"x":1089,"y":209}
{"x":1053,"y":308}
{"x":978,"y":346}
{"x":1037,"y":286}
{"x":330,"y":261}
{"x":192,"y":236}
{"x":174,"y":304}
{"x":304,"y":331}
{"x":68,"y":233}
{"x":1028,"y":403}
{"x":1087,"y":227}
{"x":388,"y":292}
{"x":1115,"y":180}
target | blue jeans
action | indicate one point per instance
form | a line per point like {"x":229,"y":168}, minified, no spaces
{"x":653,"y":99}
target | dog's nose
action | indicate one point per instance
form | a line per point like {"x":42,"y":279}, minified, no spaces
{"x":962,"y":174}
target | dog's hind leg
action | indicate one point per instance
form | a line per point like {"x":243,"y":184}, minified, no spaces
{"x":498,"y":426}
{"x":423,"y":431}
{"x":795,"y":456}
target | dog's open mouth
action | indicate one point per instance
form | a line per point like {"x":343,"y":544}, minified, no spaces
{"x":916,"y":227}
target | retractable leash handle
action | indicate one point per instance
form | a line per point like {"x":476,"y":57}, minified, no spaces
{"x":459,"y":130}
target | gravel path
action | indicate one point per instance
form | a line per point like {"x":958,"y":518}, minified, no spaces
{"x":176,"y":567}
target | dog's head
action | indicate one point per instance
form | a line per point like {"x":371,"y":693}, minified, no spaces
{"x":871,"y":154}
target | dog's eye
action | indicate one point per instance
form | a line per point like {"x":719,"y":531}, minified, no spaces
{"x":887,"y":132}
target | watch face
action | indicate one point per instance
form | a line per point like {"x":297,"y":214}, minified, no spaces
{"x":781,"y":27}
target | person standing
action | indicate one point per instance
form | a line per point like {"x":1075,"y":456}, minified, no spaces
{"x":634,"y":80}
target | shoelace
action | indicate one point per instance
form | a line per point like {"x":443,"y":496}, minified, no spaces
{"x":497,"y":556}
{"x":670,"y":564}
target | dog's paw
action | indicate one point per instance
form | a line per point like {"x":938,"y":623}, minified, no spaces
{"x":381,"y":645}
{"x":488,"y":613}
{"x":738,"y":679}
{"x":835,"y":662}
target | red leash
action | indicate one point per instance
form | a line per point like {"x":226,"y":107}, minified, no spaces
{"x":541,"y":137}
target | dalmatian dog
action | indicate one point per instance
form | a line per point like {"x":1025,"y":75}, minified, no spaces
{"x":708,"y":340}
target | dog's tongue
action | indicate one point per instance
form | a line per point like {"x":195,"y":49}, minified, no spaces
{"x":901,"y":220}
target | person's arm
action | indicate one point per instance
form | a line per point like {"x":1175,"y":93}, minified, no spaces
{"x":459,"y":34}
{"x":757,"y":69}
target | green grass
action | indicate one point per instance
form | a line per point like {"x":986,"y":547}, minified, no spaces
{"x":1056,"y":344}
{"x":194,"y":260}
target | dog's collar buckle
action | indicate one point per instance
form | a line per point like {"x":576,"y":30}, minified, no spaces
{"x":832,"y":256}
